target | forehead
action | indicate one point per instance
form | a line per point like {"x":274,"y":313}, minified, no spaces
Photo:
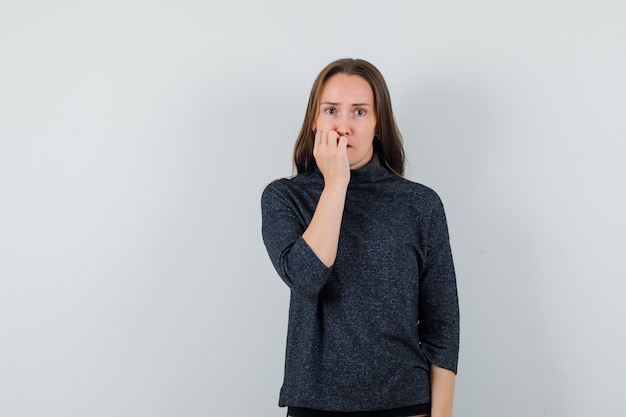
{"x":344,"y":88}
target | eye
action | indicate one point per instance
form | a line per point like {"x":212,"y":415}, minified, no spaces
{"x":330,"y":110}
{"x":359,"y":112}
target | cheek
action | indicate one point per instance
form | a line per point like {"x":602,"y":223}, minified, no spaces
{"x":373,"y":128}
{"x":322,"y":124}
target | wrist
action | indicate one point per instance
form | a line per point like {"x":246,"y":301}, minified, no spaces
{"x":339,"y":184}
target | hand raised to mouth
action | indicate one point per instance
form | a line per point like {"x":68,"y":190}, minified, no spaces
{"x":331,"y":156}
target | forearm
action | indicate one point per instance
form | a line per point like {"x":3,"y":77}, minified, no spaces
{"x":441,"y":391}
{"x":322,"y":234}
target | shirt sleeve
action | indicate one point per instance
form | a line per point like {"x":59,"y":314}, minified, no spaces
{"x":293,"y":259}
{"x":438,"y":305}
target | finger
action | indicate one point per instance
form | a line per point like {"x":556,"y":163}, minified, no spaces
{"x":332,"y":138}
{"x":325,"y":137}
{"x":317,"y":140}
{"x":342,"y":142}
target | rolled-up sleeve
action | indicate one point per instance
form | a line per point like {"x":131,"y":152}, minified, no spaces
{"x":282,"y":228}
{"x":438,"y":296}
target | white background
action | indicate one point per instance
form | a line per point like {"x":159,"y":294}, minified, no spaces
{"x":136,"y":137}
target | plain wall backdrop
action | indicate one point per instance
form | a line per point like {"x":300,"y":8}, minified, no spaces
{"x":136,"y":138}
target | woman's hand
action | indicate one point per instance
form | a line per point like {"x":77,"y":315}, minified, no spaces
{"x":331,"y":156}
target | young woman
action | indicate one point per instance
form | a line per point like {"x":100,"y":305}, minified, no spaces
{"x":373,"y":320}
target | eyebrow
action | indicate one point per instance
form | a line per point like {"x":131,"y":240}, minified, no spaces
{"x":354,"y":104}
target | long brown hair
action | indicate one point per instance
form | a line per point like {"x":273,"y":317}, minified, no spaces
{"x":388,"y":144}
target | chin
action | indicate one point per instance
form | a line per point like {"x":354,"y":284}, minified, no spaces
{"x":360,"y":163}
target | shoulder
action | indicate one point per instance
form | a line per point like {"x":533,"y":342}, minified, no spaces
{"x":417,"y":192}
{"x":285,"y":188}
{"x":291,"y":183}
{"x":275,"y":191}
{"x":276,"y":185}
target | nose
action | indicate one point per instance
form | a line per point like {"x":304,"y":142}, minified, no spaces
{"x":343,"y":125}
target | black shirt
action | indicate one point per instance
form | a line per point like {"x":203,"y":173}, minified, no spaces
{"x":363,"y":333}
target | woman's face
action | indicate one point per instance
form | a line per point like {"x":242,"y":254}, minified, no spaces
{"x":347,"y":107}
